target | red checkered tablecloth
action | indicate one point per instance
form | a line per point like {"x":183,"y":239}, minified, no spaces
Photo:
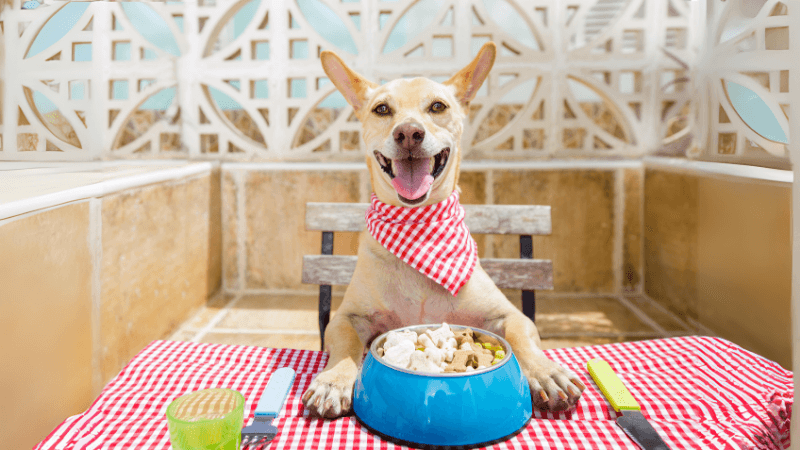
{"x":697,"y":392}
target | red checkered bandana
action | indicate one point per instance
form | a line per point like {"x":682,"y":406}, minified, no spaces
{"x":432,"y":239}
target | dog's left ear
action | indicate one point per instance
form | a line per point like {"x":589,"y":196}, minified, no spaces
{"x":469,"y":79}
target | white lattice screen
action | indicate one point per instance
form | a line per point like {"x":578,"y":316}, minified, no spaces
{"x":578,"y":78}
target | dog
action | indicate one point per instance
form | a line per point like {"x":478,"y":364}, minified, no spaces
{"x":408,"y":124}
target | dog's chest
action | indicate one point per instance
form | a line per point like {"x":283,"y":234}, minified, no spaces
{"x":413,"y":297}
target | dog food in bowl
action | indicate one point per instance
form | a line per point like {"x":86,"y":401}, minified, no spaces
{"x":440,"y":350}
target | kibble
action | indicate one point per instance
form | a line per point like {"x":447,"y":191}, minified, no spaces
{"x":441,"y":350}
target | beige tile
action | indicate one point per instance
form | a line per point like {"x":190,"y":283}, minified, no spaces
{"x":276,"y":235}
{"x":297,"y":341}
{"x":581,"y":245}
{"x":154,"y":265}
{"x":182,"y":335}
{"x":214,"y":280}
{"x":473,"y":192}
{"x":665,"y":320}
{"x":276,"y":311}
{"x":45,"y":315}
{"x":670,"y":239}
{"x":294,"y":312}
{"x":579,"y":315}
{"x":229,"y":217}
{"x":744,"y":267}
{"x":209,"y":310}
{"x":632,"y":240}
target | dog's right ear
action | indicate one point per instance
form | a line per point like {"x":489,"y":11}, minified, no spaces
{"x":352,"y":85}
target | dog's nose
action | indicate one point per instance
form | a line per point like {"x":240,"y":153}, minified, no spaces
{"x":409,"y":135}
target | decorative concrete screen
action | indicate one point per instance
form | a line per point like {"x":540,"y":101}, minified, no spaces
{"x":241,"y":80}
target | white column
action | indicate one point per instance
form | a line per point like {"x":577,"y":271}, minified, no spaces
{"x":102,"y":139}
{"x":794,"y":151}
{"x":188,"y":87}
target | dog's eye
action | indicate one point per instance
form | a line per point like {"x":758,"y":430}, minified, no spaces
{"x":438,"y":107}
{"x":381,"y":110}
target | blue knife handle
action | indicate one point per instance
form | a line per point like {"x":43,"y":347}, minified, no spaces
{"x":271,"y":401}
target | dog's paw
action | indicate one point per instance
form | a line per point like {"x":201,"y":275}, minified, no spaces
{"x":330,"y":395}
{"x":553,"y":387}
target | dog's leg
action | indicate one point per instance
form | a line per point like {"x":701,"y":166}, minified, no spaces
{"x":552,"y":386}
{"x":329,"y":395}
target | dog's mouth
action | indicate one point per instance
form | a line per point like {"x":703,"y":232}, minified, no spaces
{"x":412,"y":177}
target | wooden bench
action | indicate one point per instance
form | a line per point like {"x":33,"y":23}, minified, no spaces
{"x":526,"y":273}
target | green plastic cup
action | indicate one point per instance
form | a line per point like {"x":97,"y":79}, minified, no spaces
{"x":210,"y":419}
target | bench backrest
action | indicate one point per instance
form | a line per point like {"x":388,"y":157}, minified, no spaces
{"x":524,"y":220}
{"x":526,"y":273}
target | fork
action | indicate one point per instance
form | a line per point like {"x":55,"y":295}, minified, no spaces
{"x":269,"y":405}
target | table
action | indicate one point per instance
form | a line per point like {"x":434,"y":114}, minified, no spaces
{"x":698,"y":392}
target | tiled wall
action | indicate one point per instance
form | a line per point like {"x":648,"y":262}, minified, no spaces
{"x":596,"y":216}
{"x":718,"y":251}
{"x":85,"y":286}
{"x":45,"y":312}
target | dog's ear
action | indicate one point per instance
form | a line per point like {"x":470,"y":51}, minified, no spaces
{"x":469,"y":79}
{"x":352,"y":85}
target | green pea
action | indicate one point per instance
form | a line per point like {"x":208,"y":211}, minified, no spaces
{"x":499,"y":354}
{"x":487,"y":345}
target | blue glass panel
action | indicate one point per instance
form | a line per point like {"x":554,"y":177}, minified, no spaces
{"x":413,"y":22}
{"x":82,"y":52}
{"x":179,"y":22}
{"x":520,"y":93}
{"x":261,"y":50}
{"x":583,"y":93}
{"x":335,"y":100}
{"x":244,"y":16}
{"x":297,"y":88}
{"x":510,"y":19}
{"x":149,"y":54}
{"x":144,"y":83}
{"x":260,"y":89}
{"x":151,"y":26}
{"x":58,"y":26}
{"x":299,"y":49}
{"x":122,"y":51}
{"x":42,"y":103}
{"x":223,"y":100}
{"x":755,"y":112}
{"x":119,"y":89}
{"x":159,"y":101}
{"x":327,"y":24}
{"x":77,"y":90}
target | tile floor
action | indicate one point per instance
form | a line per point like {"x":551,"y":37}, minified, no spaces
{"x":289,"y":320}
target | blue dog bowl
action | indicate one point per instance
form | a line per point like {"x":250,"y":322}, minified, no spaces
{"x":453,"y":409}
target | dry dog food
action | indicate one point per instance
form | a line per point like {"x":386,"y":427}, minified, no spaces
{"x":441,"y":350}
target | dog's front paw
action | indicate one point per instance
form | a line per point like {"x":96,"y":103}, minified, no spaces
{"x":552,"y":386}
{"x":330,"y":394}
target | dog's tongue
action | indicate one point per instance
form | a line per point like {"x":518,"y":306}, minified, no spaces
{"x":412,"y":179}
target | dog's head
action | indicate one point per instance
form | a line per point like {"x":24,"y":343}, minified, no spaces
{"x":412,"y":127}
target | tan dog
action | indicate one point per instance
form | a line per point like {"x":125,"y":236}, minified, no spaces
{"x":421,"y":119}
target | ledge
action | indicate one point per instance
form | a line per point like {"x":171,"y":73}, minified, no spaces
{"x":28,"y":187}
{"x":726,"y":171}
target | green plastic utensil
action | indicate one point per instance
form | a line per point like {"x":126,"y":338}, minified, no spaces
{"x":632,"y":421}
